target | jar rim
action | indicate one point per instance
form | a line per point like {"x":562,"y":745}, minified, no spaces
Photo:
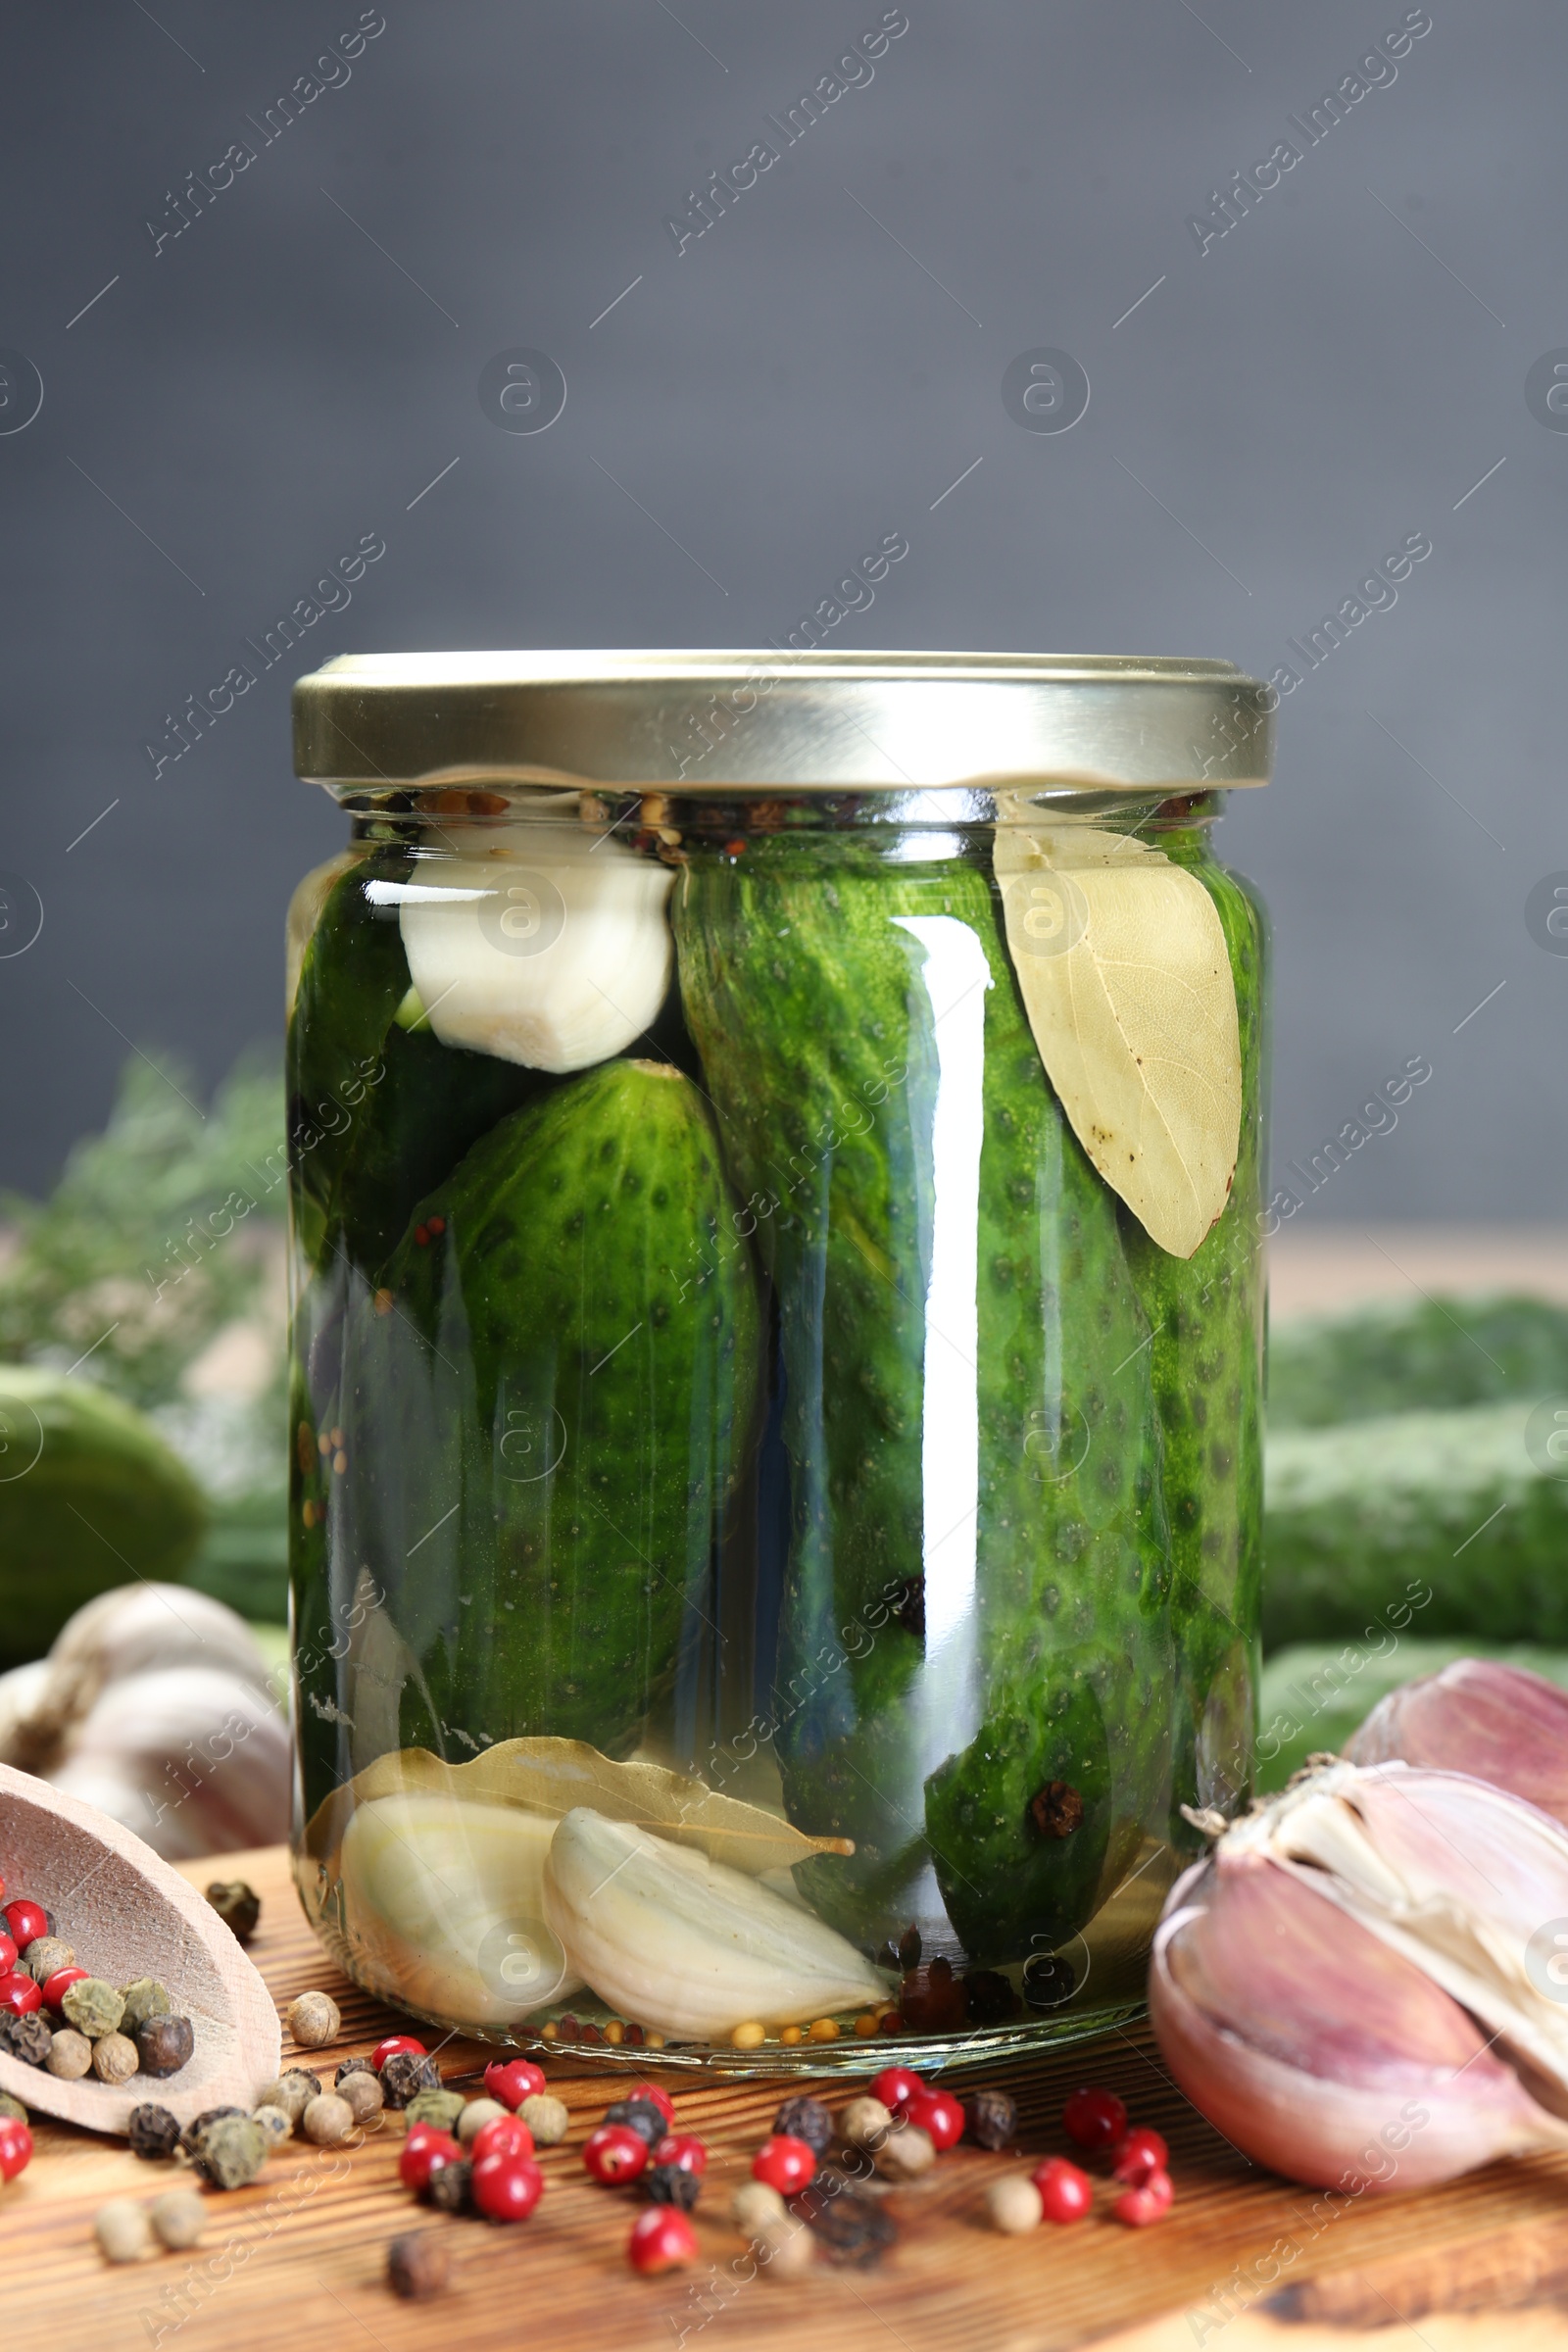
{"x":818,"y":720}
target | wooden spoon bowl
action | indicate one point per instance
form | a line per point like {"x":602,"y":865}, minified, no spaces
{"x":128,"y":1913}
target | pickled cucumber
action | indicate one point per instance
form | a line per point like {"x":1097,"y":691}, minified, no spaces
{"x":924,"y":1208}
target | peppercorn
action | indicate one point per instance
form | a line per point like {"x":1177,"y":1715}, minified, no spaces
{"x":29,"y":2038}
{"x":364,"y":2096}
{"x":179,"y":2216}
{"x":673,"y":2185}
{"x":755,"y":2203}
{"x":417,"y":2266}
{"x":406,"y":2074}
{"x":151,"y":2132}
{"x":93,"y":2007}
{"x":988,"y":1997}
{"x":450,"y":2188}
{"x":864,"y":2122}
{"x":163,"y":2044}
{"x":784,"y":2246}
{"x":851,"y":2227}
{"x":293,"y":2092}
{"x":1014,"y":2205}
{"x":640,"y":2115}
{"x":475,"y":2114}
{"x":1048,"y":1980}
{"x":123,"y":2231}
{"x":989,"y":2118}
{"x":806,"y":2119}
{"x":353,"y":2066}
{"x":9,"y":2106}
{"x":546,"y":2117}
{"x":327,"y":2120}
{"x":144,"y":1999}
{"x":232,"y":2151}
{"x":273,"y":2121}
{"x":239,"y":1906}
{"x":441,"y":2108}
{"x":198,"y":2124}
{"x":906,"y":2154}
{"x":70,"y":2055}
{"x":315,"y":2020}
{"x":931,"y":1998}
{"x":113,"y":2057}
{"x":43,"y":1956}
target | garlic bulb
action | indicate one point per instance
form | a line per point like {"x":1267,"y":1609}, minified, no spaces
{"x":1354,"y":1987}
{"x":156,"y":1705}
{"x":687,"y":1944}
{"x":555,"y":954}
{"x":443,"y":1907}
{"x":1497,"y":1722}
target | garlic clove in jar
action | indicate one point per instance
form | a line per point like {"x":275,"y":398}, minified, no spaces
{"x":194,"y":1759}
{"x":1497,"y":1722}
{"x":1319,"y":2051}
{"x":687,"y":1944}
{"x":442,"y":1901}
{"x":556,"y":954}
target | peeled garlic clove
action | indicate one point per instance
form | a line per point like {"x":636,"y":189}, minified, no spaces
{"x":556,"y":954}
{"x":195,"y":1760}
{"x":443,"y":1904}
{"x":687,"y":1944}
{"x":1500,"y":1723}
{"x":1317,"y":2049}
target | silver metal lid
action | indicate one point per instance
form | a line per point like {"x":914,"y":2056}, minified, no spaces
{"x":815,"y":722}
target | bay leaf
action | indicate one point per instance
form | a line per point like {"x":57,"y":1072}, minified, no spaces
{"x":1126,"y":980}
{"x":548,"y":1776}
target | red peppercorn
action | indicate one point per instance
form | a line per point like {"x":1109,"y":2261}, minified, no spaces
{"x":15,"y":2147}
{"x":896,"y":2086}
{"x":513,"y":2080}
{"x":1095,"y":2118}
{"x":424,"y":2152}
{"x":507,"y":2188}
{"x":501,"y":2135}
{"x":938,"y":2113}
{"x":1065,"y":2192}
{"x":26,"y":1921}
{"x":56,"y":1987}
{"x":785,"y":2163}
{"x":1141,"y":2153}
{"x":615,"y":2153}
{"x":662,"y":2239}
{"x":421,"y":1235}
{"x":19,"y":1995}
{"x":393,"y":2043}
{"x":1147,"y":2202}
{"x":659,"y":2098}
{"x":682,"y":2148}
{"x":8,"y":1954}
{"x":436,"y":1224}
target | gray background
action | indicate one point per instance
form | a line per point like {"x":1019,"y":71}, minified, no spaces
{"x":1329,"y":377}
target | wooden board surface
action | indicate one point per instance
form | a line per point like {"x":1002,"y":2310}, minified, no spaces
{"x":299,"y":2257}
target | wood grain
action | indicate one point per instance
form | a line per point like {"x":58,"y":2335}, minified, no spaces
{"x":300,"y":2256}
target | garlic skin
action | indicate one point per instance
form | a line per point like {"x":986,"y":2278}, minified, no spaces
{"x":686,"y":1944}
{"x":1479,"y":1716}
{"x":555,"y":954}
{"x":1352,"y":1987}
{"x":443,"y":1905}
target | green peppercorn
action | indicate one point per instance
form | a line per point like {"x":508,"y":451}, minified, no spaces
{"x":93,"y":2007}
{"x":143,"y":1999}
{"x":439,"y":2107}
{"x":231,"y":2152}
{"x":12,"y":2107}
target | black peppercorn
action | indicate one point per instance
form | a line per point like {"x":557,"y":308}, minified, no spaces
{"x":417,"y":2266}
{"x":26,"y":2038}
{"x":989,"y":2118}
{"x":640,"y":2115}
{"x":163,"y":2044}
{"x":673,"y":2185}
{"x":1048,"y":1980}
{"x":151,"y":2132}
{"x":198,"y":2124}
{"x":988,"y":1997}
{"x":239,"y":1906}
{"x":448,"y":2186}
{"x":353,"y":2066}
{"x":808,"y":2119}
{"x":405,"y":2075}
{"x":848,"y":2226}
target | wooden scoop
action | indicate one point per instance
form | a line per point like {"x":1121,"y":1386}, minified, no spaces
{"x":128,"y":1913}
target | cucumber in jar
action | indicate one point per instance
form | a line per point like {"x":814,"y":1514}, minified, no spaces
{"x":863,"y":1038}
{"x":545,"y":1405}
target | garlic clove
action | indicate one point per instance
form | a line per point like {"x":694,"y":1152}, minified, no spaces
{"x":443,"y":1908}
{"x":195,"y":1760}
{"x":1319,"y":2051}
{"x":687,"y":1944}
{"x":1497,"y":1722}
{"x":556,"y":954}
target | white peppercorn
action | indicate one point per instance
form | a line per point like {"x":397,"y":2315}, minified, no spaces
{"x":784,"y":2247}
{"x":273,"y":2123}
{"x":478,"y":2112}
{"x":1013,"y":2206}
{"x":327,"y":2120}
{"x":293,"y":2092}
{"x":113,"y":2057}
{"x":363,"y":2094}
{"x":179,"y":2216}
{"x":753,"y":2204}
{"x":315,"y":2020}
{"x":546,"y":2118}
{"x":864,"y":2124}
{"x":904,"y":2155}
{"x":70,"y":2054}
{"x":123,"y":2231}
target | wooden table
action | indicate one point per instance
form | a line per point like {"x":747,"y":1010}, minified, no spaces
{"x":298,"y":2259}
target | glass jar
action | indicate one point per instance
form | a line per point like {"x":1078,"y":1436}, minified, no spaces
{"x":777,"y":1337}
